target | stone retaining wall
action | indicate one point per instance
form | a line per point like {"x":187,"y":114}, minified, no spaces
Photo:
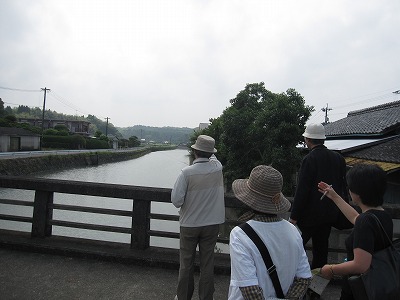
{"x":30,"y":165}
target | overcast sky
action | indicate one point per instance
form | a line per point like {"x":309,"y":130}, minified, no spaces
{"x":179,"y":62}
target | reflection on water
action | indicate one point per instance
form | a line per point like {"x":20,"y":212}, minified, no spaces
{"x":157,"y":169}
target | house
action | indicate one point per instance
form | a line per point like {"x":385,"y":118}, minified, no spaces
{"x":74,"y":126}
{"x":18,"y":139}
{"x":113,"y":140}
{"x":371,"y":135}
{"x":203,"y":126}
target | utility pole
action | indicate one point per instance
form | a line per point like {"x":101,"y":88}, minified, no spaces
{"x":325,"y":110}
{"x":107,"y":126}
{"x":44,"y":108}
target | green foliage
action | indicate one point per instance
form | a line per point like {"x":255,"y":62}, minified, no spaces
{"x":75,"y":141}
{"x":4,"y":123}
{"x":260,"y":127}
{"x":103,"y":138}
{"x":50,"y":131}
{"x":2,"y":111}
{"x":123,"y":143}
{"x":173,"y":135}
{"x":8,"y":110}
{"x":133,"y":141}
{"x":23,"y":111}
{"x":98,"y":134}
{"x":100,"y":125}
{"x":11,"y":118}
{"x":61,"y":128}
{"x":92,"y":143}
{"x":10,"y":121}
{"x":29,"y":127}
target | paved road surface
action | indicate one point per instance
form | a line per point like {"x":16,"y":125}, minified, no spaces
{"x":26,"y":275}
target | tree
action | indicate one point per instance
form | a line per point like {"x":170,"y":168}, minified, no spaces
{"x":23,"y":109}
{"x":260,"y":127}
{"x":8,"y":110}
{"x":50,"y":131}
{"x":11,"y":118}
{"x":2,"y":111}
{"x":61,"y":127}
{"x":98,"y":134}
{"x":133,"y":141}
{"x":98,"y":124}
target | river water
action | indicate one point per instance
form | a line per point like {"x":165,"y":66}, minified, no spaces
{"x":157,"y":169}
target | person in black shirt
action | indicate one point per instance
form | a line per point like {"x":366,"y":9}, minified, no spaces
{"x":367,"y":185}
{"x":313,"y":216}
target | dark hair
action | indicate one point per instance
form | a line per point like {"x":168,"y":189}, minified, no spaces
{"x":369,"y":182}
{"x":202,"y":154}
{"x":317,"y":141}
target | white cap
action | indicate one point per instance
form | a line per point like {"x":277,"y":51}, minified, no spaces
{"x":315,"y":131}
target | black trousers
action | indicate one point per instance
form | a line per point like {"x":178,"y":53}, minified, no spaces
{"x":319,"y":236}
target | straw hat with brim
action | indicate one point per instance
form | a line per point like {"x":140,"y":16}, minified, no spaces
{"x":205,"y":143}
{"x":262,"y":191}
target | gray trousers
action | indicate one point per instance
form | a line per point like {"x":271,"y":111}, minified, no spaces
{"x":206,"y":238}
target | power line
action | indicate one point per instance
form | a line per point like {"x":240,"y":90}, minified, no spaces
{"x":18,"y":90}
{"x":66,"y":103}
{"x":365,"y":101}
{"x":52,"y":94}
{"x":386,"y":97}
{"x":12,"y":103}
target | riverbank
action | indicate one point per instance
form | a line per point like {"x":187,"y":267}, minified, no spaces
{"x":30,"y":165}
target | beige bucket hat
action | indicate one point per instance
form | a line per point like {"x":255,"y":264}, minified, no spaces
{"x":205,"y":143}
{"x":315,"y":131}
{"x":262,"y":191}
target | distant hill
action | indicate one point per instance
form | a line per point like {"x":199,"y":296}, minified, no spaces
{"x":174,"y":135}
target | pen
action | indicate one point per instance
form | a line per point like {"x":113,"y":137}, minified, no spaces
{"x":324,"y":194}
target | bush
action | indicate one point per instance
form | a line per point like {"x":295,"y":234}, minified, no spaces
{"x":96,"y":144}
{"x":50,"y":132}
{"x":64,"y":142}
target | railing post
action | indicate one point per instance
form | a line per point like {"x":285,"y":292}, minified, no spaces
{"x":42,"y":214}
{"x":140,"y":238}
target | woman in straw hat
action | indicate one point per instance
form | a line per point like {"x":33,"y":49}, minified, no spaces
{"x":261,"y":193}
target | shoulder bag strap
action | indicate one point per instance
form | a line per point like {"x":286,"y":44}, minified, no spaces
{"x":384,"y":235}
{"x":266,"y":257}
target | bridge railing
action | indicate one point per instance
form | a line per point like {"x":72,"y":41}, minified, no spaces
{"x":43,"y":207}
{"x":140,"y":230}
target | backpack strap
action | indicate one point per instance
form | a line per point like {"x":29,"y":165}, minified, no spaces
{"x":271,"y":268}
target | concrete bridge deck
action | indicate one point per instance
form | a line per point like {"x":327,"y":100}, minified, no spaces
{"x":28,"y":275}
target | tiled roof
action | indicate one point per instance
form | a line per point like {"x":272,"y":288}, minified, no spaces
{"x":388,"y":151}
{"x":377,"y":120}
{"x":16,"y":131}
{"x":388,"y":167}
